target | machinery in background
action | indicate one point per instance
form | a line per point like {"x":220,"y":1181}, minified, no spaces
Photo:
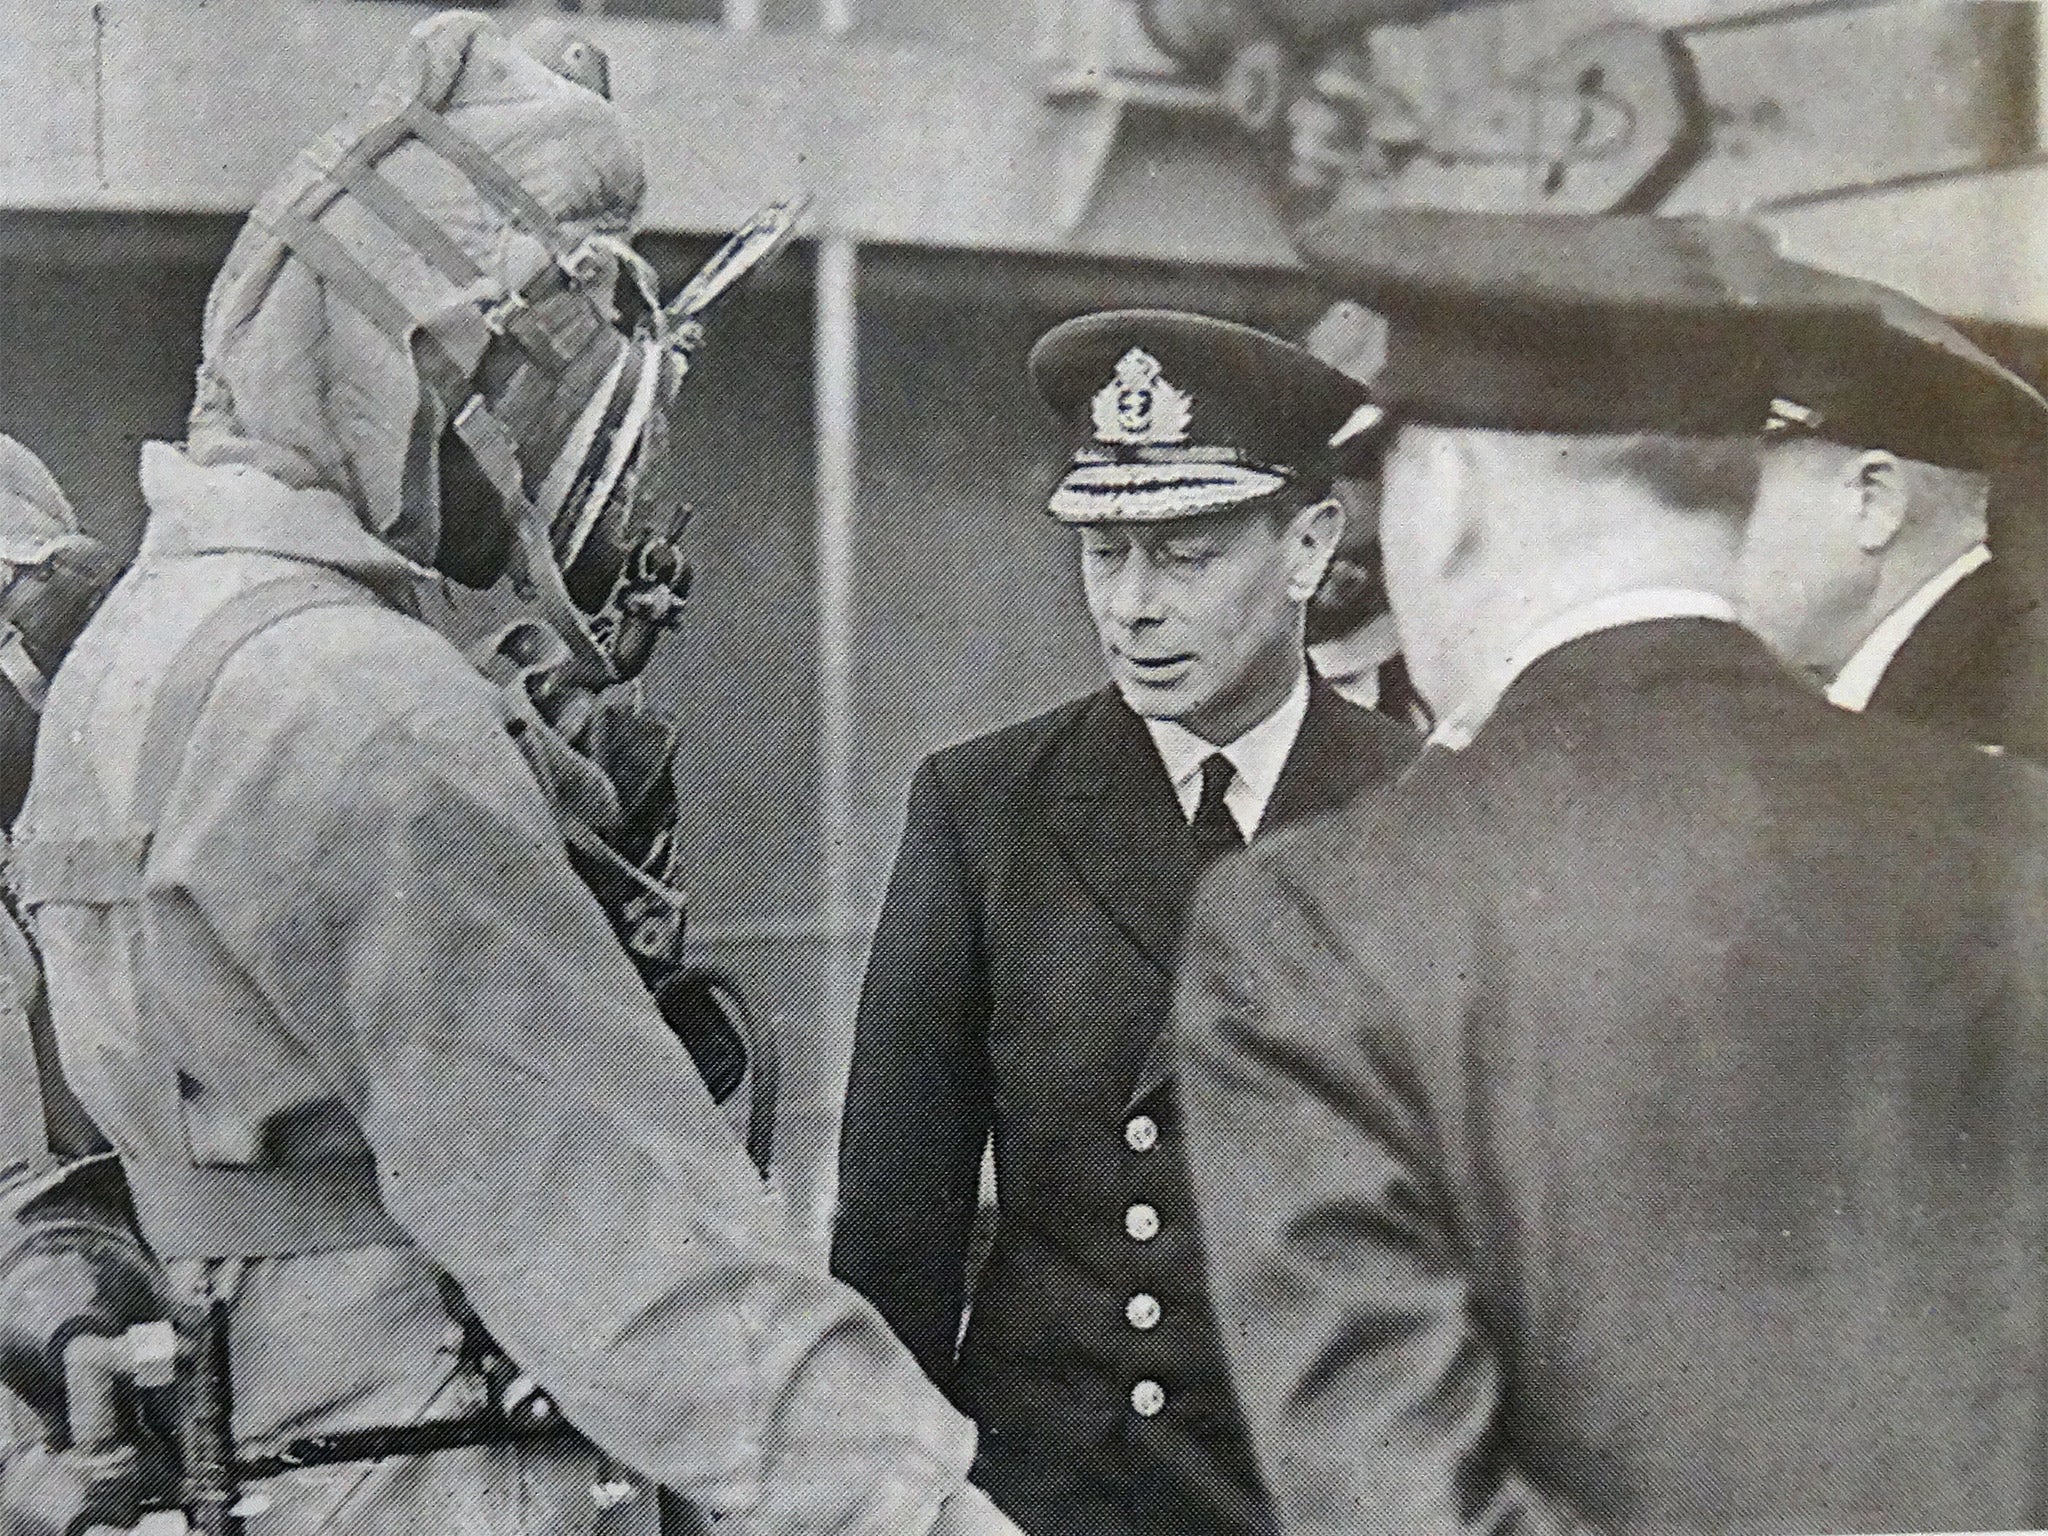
{"x":1569,"y":106}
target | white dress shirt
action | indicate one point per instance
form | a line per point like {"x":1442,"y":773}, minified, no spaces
{"x":1610,"y":612}
{"x":1257,"y":756}
{"x":1864,"y":670}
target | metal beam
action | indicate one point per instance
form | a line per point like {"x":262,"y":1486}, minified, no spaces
{"x":836,"y":426}
{"x":159,"y":105}
{"x":1971,"y":246}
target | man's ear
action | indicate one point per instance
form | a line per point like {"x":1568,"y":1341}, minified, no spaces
{"x":1313,"y":534}
{"x":1881,"y":497}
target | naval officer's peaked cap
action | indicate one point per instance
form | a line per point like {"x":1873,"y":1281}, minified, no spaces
{"x":1888,"y":372}
{"x":1587,"y":323}
{"x":1559,"y":322}
{"x":1180,"y":415}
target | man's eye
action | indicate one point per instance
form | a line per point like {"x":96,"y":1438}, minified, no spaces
{"x":1189,"y":559}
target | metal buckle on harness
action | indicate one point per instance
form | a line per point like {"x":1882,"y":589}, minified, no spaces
{"x":498,"y":316}
{"x":583,"y":265}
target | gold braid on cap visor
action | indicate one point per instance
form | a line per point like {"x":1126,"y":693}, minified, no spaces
{"x":1157,"y":483}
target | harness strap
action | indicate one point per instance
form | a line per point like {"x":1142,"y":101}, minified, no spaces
{"x":106,"y":869}
{"x":493,"y":183}
{"x":88,"y":871}
{"x":187,"y":1211}
{"x":196,"y":671}
{"x":377,"y":194}
{"x":355,"y":172}
{"x":361,"y":290}
{"x":259,"y":1211}
{"x":496,"y":185}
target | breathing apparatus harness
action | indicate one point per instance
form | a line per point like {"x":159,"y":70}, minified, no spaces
{"x":565,"y":414}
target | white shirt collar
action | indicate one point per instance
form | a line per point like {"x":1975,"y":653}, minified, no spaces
{"x":1860,"y":675}
{"x":1611,"y":612}
{"x":1258,"y":756}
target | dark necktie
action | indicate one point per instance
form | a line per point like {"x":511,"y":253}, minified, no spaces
{"x":1215,"y":832}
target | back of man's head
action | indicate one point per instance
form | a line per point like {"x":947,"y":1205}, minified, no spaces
{"x":1577,"y":399}
{"x":1491,"y":535}
{"x":1842,"y":535}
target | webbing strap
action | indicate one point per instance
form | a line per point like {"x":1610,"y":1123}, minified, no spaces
{"x":370,"y":146}
{"x":98,"y":871}
{"x":358,"y":288}
{"x":355,"y":173}
{"x":106,"y":868}
{"x":370,"y":188}
{"x":193,"y":674}
{"x":498,"y":186}
{"x":259,"y":1211}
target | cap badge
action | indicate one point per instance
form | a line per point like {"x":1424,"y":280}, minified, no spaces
{"x":1140,"y":406}
{"x":1791,"y":416}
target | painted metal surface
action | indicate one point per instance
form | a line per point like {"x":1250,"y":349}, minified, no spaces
{"x":161,"y":105}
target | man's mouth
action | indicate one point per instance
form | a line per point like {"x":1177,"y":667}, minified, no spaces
{"x":1156,"y":668}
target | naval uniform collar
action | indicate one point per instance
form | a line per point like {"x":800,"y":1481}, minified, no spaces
{"x":1857,"y":681}
{"x":1351,"y":663}
{"x":1637,"y":606}
{"x":1257,"y":756}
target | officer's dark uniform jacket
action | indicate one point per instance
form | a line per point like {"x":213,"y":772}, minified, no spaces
{"x":1634,"y":1118}
{"x":1971,"y":666}
{"x":352,"y":1020}
{"x":1019,"y":982}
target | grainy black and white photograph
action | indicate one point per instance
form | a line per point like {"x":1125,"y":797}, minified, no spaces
{"x":1023,"y":768}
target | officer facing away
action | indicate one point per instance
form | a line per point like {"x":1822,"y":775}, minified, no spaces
{"x":1868,"y":562}
{"x":320,"y":966}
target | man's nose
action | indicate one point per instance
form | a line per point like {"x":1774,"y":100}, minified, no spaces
{"x":1134,"y":597}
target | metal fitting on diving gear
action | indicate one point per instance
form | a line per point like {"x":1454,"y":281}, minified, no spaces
{"x":71,"y":1265}
{"x":599,"y":562}
{"x":87,"y":1345}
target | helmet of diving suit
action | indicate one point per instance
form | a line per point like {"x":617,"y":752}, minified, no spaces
{"x":52,"y":576}
{"x":423,"y":314}
{"x":425,"y":303}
